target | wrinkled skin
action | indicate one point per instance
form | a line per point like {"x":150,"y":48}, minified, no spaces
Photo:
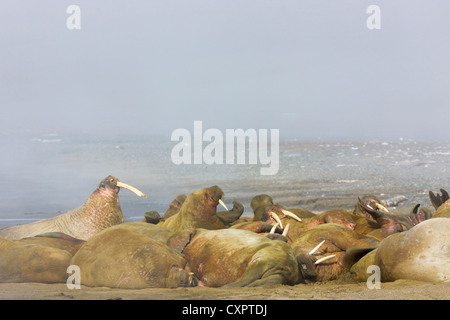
{"x":132,"y":256}
{"x":25,"y":262}
{"x":338,"y":241}
{"x":237,"y":258}
{"x":197,"y":211}
{"x":421,"y":253}
{"x":100,"y":211}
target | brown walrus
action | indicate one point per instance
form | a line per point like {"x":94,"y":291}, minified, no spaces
{"x":336,"y":240}
{"x":297,"y":225}
{"x":237,"y":258}
{"x":421,"y":253}
{"x":132,"y":256}
{"x":100,"y":211}
{"x":260,"y":203}
{"x":23,"y":262}
{"x":197,"y":211}
{"x":227,"y":217}
{"x":370,"y":206}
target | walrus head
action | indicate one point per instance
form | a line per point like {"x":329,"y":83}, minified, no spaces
{"x":369,"y":205}
{"x":203,"y":203}
{"x":111,"y":186}
{"x":212,"y":197}
{"x":258,"y":204}
{"x":274,"y":213}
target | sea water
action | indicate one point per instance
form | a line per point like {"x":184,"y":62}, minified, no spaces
{"x":43,"y":175}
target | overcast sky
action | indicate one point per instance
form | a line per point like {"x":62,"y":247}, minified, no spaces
{"x":309,"y":68}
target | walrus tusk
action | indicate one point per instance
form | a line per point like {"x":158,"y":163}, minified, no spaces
{"x":132,"y":189}
{"x":325,"y":258}
{"x":223,"y":204}
{"x":286,"y":230}
{"x":383,"y":208}
{"x":292,"y":215}
{"x":277,"y":219}
{"x":317,"y":247}
{"x":274,"y":228}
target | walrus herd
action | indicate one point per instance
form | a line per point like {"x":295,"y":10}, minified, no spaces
{"x":193,"y":244}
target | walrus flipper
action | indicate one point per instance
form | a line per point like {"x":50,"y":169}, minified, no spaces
{"x":438,"y":199}
{"x":228,"y":217}
{"x":57,"y":235}
{"x":419,"y":215}
{"x":152,"y":217}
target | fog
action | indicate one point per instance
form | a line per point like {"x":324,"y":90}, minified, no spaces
{"x":312,"y":69}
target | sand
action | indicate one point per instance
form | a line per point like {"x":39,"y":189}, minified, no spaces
{"x":332,"y":290}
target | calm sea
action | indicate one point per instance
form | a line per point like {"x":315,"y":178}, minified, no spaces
{"x":44,"y":175}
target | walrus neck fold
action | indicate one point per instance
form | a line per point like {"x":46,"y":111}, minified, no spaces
{"x":100,"y":211}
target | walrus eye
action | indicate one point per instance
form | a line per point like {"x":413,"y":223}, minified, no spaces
{"x":102,"y":186}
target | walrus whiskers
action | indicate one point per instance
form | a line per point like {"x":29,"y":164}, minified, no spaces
{"x":325,"y":258}
{"x":131,"y":188}
{"x":317,"y":247}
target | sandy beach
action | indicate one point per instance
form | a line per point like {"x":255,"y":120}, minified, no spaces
{"x":332,"y":290}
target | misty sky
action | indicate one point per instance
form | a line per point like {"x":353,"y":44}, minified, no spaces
{"x":309,"y":68}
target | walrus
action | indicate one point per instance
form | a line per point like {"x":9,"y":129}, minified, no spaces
{"x":370,"y":206}
{"x":132,"y":256}
{"x":275,"y":214}
{"x":199,"y":210}
{"x":334,"y":241}
{"x":24,"y":262}
{"x":421,"y":253}
{"x":260,"y":203}
{"x":100,"y":211}
{"x":228,"y":217}
{"x":235,"y":258}
{"x":264,"y":219}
